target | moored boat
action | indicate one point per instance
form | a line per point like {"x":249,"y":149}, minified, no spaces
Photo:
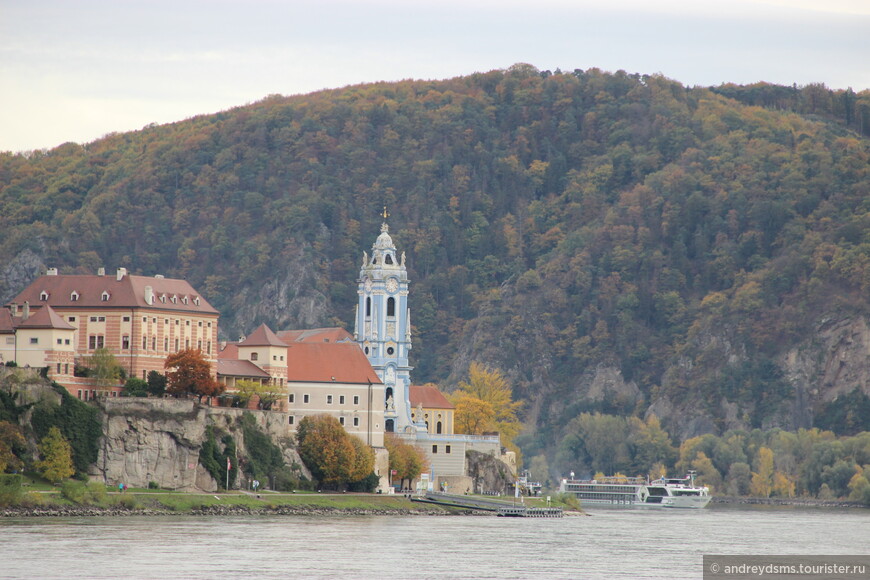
{"x":665,"y":492}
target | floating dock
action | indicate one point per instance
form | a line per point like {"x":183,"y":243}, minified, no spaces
{"x":500,"y":508}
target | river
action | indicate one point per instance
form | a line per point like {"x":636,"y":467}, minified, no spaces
{"x":610,"y":543}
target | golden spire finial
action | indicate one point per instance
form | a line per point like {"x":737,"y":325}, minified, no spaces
{"x":386,"y":214}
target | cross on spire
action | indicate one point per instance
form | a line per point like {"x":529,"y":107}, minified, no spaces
{"x":385,"y":213}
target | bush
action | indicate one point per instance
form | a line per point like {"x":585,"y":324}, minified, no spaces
{"x":10,"y":489}
{"x":135,"y":388}
{"x":84,"y":493}
{"x":78,"y":422}
{"x":153,"y":485}
{"x":367,"y":484}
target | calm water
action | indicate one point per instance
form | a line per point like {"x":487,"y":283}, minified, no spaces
{"x":611,"y":543}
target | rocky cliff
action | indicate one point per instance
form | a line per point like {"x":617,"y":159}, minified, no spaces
{"x":158,"y":440}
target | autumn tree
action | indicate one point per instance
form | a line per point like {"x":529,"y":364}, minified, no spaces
{"x":485,"y":403}
{"x":12,"y":446}
{"x":762,"y":480}
{"x":268,"y":393}
{"x":189,"y":372}
{"x":406,"y":460}
{"x":330,"y":452}
{"x":105,"y":368}
{"x":56,"y":463}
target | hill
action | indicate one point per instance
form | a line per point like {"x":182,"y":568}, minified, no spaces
{"x":613,"y":242}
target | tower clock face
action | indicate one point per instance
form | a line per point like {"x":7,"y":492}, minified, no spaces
{"x":392,"y":285}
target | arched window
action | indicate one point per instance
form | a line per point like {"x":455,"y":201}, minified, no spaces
{"x":388,"y":426}
{"x":438,"y":427}
{"x":391,"y":306}
{"x":388,"y":259}
{"x":368,"y":305}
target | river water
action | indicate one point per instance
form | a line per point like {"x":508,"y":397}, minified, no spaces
{"x":610,"y":543}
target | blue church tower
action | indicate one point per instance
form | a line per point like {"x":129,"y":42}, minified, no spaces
{"x":383,"y":327}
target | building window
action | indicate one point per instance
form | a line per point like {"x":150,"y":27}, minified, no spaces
{"x":66,"y":368}
{"x":125,"y":342}
{"x":434,"y":449}
{"x":176,"y":345}
{"x":199,"y":344}
{"x":341,"y":420}
{"x":59,"y":341}
{"x":208,"y":347}
{"x":438,"y":427}
{"x":66,"y":341}
{"x":291,"y":420}
{"x":341,"y":399}
{"x":101,"y":318}
{"x":446,"y":449}
{"x":43,"y":296}
{"x":58,"y":368}
{"x":200,"y":324}
{"x":93,"y":318}
{"x":291,"y":397}
{"x":328,"y":397}
{"x":186,"y":323}
{"x":356,"y":399}
{"x":255,"y":356}
{"x":306,"y":398}
{"x":165,"y":345}
{"x":10,"y":340}
{"x":153,"y":343}
{"x":74,"y":296}
{"x":95,"y":341}
{"x":144,"y":343}
{"x":391,"y":306}
{"x":187,"y":343}
{"x":126,"y":319}
{"x":368,"y":306}
{"x":356,"y":421}
{"x":72,"y":318}
{"x":105,"y":297}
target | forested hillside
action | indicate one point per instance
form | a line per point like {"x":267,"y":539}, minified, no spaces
{"x":611,"y":242}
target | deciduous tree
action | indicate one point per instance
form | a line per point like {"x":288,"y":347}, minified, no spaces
{"x":56,"y":463}
{"x":12,"y":445}
{"x":408,"y":461}
{"x":189,"y":372}
{"x":491,"y":387}
{"x":330,"y":452}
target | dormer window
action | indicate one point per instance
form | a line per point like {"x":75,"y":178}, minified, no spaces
{"x":196,"y":300}
{"x":105,"y":296}
{"x":163,"y":298}
{"x":43,"y":296}
{"x":174,"y":299}
{"x":74,"y":296}
{"x":184,"y":300}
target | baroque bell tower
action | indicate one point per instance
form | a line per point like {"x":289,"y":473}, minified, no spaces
{"x":383,"y":326}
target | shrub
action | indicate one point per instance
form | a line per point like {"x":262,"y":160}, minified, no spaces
{"x":84,"y":493}
{"x":10,"y":489}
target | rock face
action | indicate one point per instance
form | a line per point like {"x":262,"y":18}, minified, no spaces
{"x":489,"y":474}
{"x":158,"y":440}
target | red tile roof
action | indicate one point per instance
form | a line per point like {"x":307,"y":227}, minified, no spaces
{"x":263,"y":336}
{"x":335,"y":334}
{"x":428,"y":396}
{"x":240,"y":368}
{"x":229,"y":352}
{"x":128,"y":292}
{"x":327,"y":362}
{"x":45,"y":318}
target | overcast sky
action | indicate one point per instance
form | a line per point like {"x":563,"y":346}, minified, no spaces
{"x":76,"y":70}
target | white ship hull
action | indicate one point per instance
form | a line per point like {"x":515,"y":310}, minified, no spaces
{"x":675,"y":493}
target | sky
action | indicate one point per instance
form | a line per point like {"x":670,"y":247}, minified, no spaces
{"x":78,"y":70}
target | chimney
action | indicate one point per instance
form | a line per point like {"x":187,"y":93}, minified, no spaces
{"x":51,"y":272}
{"x":149,"y":295}
{"x":25,"y":312}
{"x":14,"y":309}
{"x":101,"y":271}
{"x":158,"y":276}
{"x":121,"y":273}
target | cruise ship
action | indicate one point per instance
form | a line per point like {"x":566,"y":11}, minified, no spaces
{"x":666,"y":492}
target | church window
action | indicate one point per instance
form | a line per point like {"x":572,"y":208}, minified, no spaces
{"x":388,"y":259}
{"x":390,"y":350}
{"x":367,"y":350}
{"x":438,"y":427}
{"x":389,"y":426}
{"x":391,"y":306}
{"x":368,"y":306}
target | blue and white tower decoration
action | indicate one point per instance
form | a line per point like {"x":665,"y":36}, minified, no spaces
{"x":383,"y":327}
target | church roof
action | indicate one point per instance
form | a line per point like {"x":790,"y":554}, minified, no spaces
{"x":429,"y":397}
{"x":335,"y":334}
{"x":329,"y":362}
{"x":263,"y":336}
{"x":240,"y":368}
